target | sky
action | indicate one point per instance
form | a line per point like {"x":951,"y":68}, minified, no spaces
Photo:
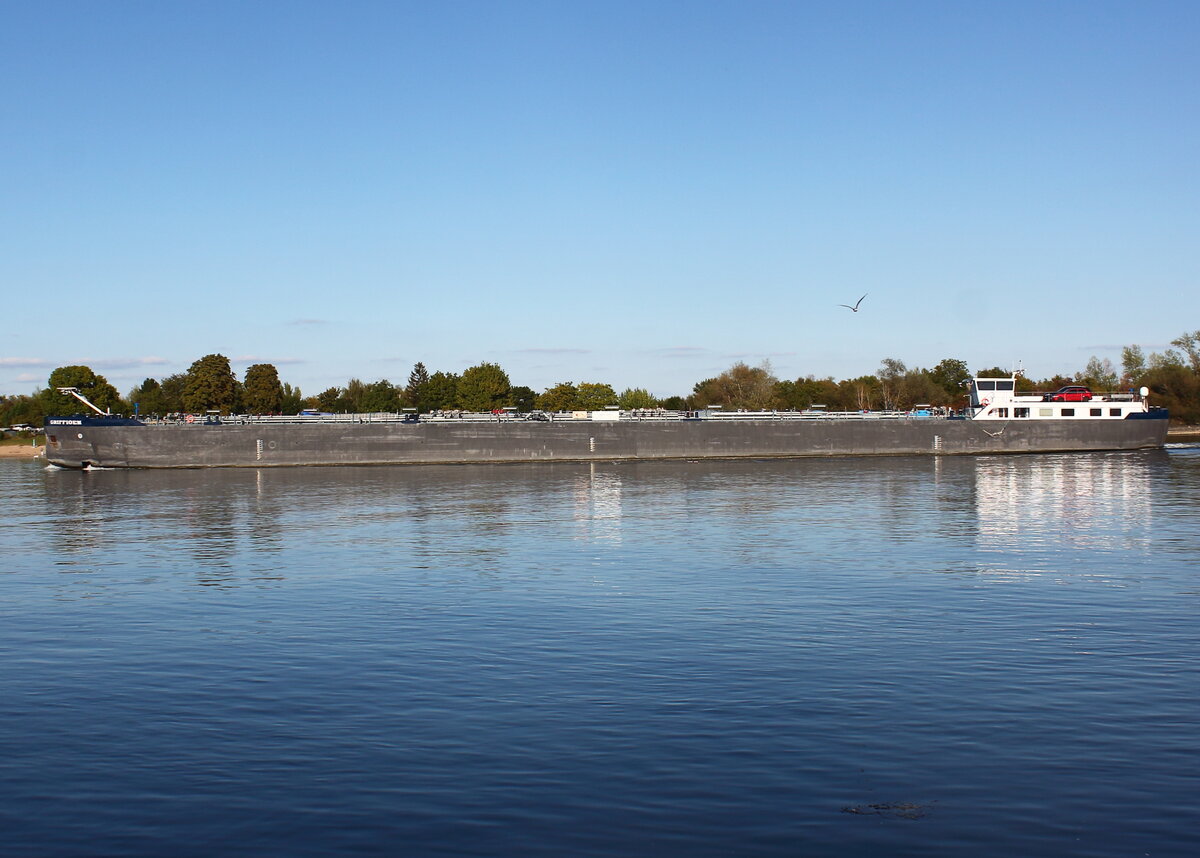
{"x":637,"y":193}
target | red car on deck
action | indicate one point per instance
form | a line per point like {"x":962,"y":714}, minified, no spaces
{"x":1070,"y":393}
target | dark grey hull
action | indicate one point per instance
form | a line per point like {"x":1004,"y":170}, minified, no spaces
{"x":268,"y":445}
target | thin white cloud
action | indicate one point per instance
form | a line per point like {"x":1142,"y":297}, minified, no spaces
{"x":553,"y":351}
{"x":123,"y":363}
{"x":94,"y":363}
{"x":249,"y":359}
{"x":681,"y":352}
{"x":1112,"y":348}
{"x":28,"y":376}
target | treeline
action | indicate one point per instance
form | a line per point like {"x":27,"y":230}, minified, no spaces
{"x":1173,"y":376}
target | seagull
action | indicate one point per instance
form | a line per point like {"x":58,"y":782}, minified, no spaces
{"x":854,"y":309}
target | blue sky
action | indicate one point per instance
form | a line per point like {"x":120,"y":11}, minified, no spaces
{"x":637,"y":193}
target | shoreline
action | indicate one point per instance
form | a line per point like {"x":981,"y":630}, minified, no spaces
{"x":20,"y":451}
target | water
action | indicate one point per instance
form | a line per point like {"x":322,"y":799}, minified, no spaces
{"x":986,"y":656}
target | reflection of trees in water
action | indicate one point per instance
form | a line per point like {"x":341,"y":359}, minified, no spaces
{"x":217,"y":526}
{"x":81,"y":522}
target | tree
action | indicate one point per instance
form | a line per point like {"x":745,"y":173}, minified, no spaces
{"x":328,"y":399}
{"x":172,"y":392}
{"x":561,"y":397}
{"x":636,"y":397}
{"x":147,"y":398}
{"x":951,"y":375}
{"x":292,"y":401}
{"x":740,"y":386}
{"x":483,"y":388}
{"x":417,"y":379}
{"x":1133,"y":365}
{"x":262,"y":393}
{"x":440,"y":392}
{"x":891,"y":375}
{"x":380,"y":396}
{"x":1098,"y":375}
{"x":594,"y":396}
{"x":523,"y":398}
{"x":1177,"y":388}
{"x":1190,"y":343}
{"x":211,"y":385}
{"x":805,"y":392}
{"x":15,"y":410}
{"x":95,"y":387}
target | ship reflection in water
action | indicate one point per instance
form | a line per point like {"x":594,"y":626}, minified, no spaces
{"x":1083,"y":501}
{"x":991,"y":656}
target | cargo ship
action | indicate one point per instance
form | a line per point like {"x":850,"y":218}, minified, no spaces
{"x":997,"y":419}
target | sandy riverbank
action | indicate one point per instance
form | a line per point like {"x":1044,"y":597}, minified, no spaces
{"x":20,"y":451}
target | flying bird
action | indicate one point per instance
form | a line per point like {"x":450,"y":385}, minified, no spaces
{"x":854,"y":309}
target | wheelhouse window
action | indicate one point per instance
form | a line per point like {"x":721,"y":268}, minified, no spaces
{"x":1004,"y":385}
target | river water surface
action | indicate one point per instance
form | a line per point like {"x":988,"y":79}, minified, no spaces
{"x":991,"y":656}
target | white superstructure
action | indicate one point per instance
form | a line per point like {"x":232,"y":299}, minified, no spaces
{"x":997,"y":399}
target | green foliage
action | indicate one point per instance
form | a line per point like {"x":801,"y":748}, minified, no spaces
{"x":636,"y":397}
{"x":440,"y":393}
{"x":261,"y":391}
{"x":1190,"y":344}
{"x":23,"y":409}
{"x":148,"y":397}
{"x":1177,"y":388}
{"x":417,"y":379}
{"x":292,"y":400}
{"x":859,"y":394}
{"x":951,"y":376}
{"x":329,"y":399}
{"x":95,"y":387}
{"x":1053,"y":383}
{"x":674,"y":403}
{"x":380,"y":396}
{"x":591,"y":396}
{"x":523,"y":398}
{"x":172,"y":392}
{"x":483,"y":388}
{"x":561,"y":397}
{"x":1173,"y":375}
{"x":1133,"y":365}
{"x":740,"y":386}
{"x":805,"y":392}
{"x":1099,"y":375}
{"x":211,"y":385}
